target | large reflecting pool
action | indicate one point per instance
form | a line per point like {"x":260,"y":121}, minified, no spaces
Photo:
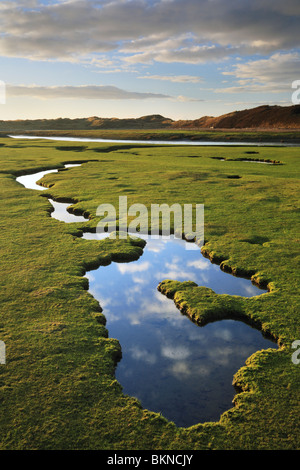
{"x":170,"y":364}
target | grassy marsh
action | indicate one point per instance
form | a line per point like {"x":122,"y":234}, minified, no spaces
{"x":57,"y":389}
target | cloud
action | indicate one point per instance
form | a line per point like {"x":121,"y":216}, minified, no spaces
{"x":199,"y":264}
{"x":140,"y":31}
{"x":173,"y":78}
{"x":272,"y":75}
{"x":160,"y":304}
{"x":175,"y":271}
{"x":184,"y":99}
{"x":134,"y":267}
{"x":176,"y":352}
{"x":185,"y":369}
{"x":181,"y":369}
{"x":143,"y":355}
{"x":192,"y":54}
{"x":93,"y":92}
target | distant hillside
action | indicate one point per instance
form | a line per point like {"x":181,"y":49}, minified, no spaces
{"x":262,"y":117}
{"x":145,"y":122}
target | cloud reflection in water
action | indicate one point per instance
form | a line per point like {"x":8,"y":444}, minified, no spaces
{"x":171,"y":365}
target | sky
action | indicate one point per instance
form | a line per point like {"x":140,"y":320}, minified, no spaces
{"x":183,"y":59}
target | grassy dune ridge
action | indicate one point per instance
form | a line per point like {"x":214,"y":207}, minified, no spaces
{"x":57,"y":389}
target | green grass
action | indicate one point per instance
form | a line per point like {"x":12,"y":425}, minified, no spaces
{"x":58,"y":389}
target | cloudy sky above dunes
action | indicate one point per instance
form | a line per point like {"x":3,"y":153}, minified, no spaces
{"x":128,"y":58}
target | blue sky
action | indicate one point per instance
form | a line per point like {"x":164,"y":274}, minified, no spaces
{"x":128,"y":58}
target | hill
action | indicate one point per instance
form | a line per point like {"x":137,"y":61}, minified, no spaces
{"x":260,"y":118}
{"x":155,"y":121}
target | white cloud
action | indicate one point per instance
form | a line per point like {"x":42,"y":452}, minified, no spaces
{"x":271,"y":75}
{"x":192,"y":54}
{"x":174,"y":271}
{"x":184,"y":369}
{"x":143,"y":355}
{"x":93,"y":92}
{"x":181,"y":369}
{"x":134,"y":267}
{"x":188,"y":31}
{"x":175,"y":352}
{"x":184,"y":99}
{"x":173,"y":78}
{"x":199,"y":264}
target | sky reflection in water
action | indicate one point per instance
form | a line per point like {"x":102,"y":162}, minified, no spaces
{"x":170,"y":364}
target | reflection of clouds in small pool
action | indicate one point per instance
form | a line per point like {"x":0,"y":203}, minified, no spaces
{"x":149,"y":307}
{"x":134,"y":267}
{"x":180,"y":369}
{"x":90,"y":276}
{"x":156,"y":305}
{"x":176,"y":272}
{"x":199,"y":335}
{"x":158,"y":247}
{"x":203,"y":279}
{"x":223,"y":333}
{"x":199,"y":264}
{"x":139,"y":280}
{"x":173,"y":351}
{"x":140,"y":354}
{"x":250,"y":290}
{"x":165,"y":357}
{"x":222,"y":355}
{"x":132,"y":293}
{"x":183,"y":370}
{"x":134,"y":319}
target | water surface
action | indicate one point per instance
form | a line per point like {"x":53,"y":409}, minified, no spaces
{"x":156,"y":142}
{"x":169,"y":363}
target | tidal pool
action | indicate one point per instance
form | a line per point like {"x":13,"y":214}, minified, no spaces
{"x":170,"y":364}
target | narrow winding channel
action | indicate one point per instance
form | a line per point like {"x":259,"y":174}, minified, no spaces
{"x":170,"y":364}
{"x":157,"y":142}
